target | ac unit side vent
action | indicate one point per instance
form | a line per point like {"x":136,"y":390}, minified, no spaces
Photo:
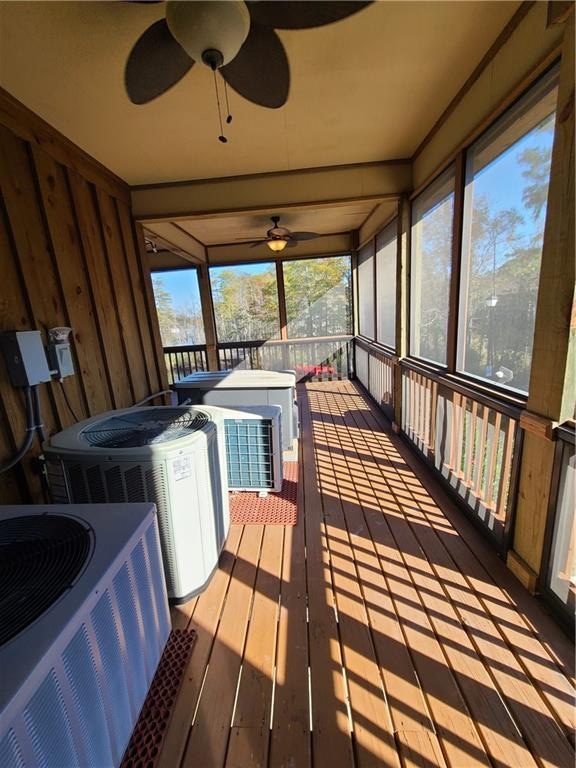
{"x":48,"y":725}
{"x":78,"y":485}
{"x":57,"y":482}
{"x":82,"y":676}
{"x":10,"y":754}
{"x":95,"y":483}
{"x":114,"y":485}
{"x":249,"y":450}
{"x":135,"y":489}
{"x":157,"y":491}
{"x":113,"y":665}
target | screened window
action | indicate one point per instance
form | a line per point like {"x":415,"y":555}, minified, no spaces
{"x":430,"y":268}
{"x":366,"y":290}
{"x":386,"y":285}
{"x":245,"y":302}
{"x":318,"y":297}
{"x":177,"y":298}
{"x":507,"y":176}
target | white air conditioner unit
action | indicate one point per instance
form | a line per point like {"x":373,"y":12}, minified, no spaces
{"x":173,"y":456}
{"x":83,"y":622}
{"x":254,"y":447}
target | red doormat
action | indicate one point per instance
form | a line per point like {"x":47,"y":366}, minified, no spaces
{"x":248,"y":508}
{"x":150,"y":730}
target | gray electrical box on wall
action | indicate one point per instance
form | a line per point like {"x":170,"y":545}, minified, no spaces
{"x":25,"y":357}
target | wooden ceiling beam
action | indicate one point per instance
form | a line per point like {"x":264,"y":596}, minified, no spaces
{"x":263,"y":192}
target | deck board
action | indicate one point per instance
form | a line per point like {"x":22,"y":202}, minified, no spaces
{"x":379,"y":631}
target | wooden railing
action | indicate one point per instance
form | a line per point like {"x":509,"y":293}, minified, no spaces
{"x":375,"y":369}
{"x":559,"y":583}
{"x":326,"y":358}
{"x":184,"y":360}
{"x":471,"y":439}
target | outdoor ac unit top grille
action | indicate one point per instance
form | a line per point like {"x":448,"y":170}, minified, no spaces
{"x":40,"y":558}
{"x":144,"y":426}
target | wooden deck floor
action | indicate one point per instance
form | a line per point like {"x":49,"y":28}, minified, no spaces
{"x":380,"y":631}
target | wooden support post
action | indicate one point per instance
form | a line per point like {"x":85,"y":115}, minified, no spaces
{"x":208,"y":317}
{"x":402,"y":278}
{"x":282,"y":312}
{"x":553,"y":376}
{"x":457,"y":229}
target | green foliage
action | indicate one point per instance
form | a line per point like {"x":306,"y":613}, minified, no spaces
{"x":245,"y":304}
{"x":318,"y":297}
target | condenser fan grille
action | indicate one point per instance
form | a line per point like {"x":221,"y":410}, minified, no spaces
{"x":143,"y":427}
{"x":40,"y":557}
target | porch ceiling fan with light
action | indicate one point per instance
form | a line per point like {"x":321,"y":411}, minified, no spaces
{"x":277,"y":238}
{"x":234,"y":37}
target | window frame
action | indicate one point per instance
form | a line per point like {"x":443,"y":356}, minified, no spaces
{"x":284,"y":260}
{"x":186,"y":268}
{"x":240,"y":264}
{"x":451,"y":169}
{"x":392,"y":224}
{"x":539,"y":88}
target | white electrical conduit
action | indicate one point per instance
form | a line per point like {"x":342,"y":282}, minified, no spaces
{"x":32,"y":416}
{"x":152,"y":397}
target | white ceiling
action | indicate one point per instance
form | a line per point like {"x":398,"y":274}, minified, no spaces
{"x":364,"y":89}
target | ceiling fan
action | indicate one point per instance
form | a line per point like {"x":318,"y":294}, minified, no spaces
{"x":234,"y":37}
{"x":277,"y":238}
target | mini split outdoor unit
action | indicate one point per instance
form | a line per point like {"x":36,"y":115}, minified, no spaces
{"x":254,"y":447}
{"x":83,"y":623}
{"x":174,"y":457}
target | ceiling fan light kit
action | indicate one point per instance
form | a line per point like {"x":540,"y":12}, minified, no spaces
{"x":219,"y":25}
{"x":277,"y":238}
{"x":277,"y":244}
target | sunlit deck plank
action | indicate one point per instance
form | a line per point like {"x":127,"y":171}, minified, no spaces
{"x":204,"y":620}
{"x":551,"y":675}
{"x":331,"y":736}
{"x":418,"y":543}
{"x":290,"y":742}
{"x":416,"y":739}
{"x":249,"y":738}
{"x":210,"y":731}
{"x":373,"y":730}
{"x":454,"y":725}
{"x":431,"y":635}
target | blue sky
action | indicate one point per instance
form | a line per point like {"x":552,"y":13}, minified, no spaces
{"x":502,"y":182}
{"x":183,"y":284}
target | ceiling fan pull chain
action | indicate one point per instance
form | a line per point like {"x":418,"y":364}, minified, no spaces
{"x":228,"y":115}
{"x":221,"y":138}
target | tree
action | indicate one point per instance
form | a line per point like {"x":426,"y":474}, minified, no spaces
{"x":537,"y":161}
{"x":164,"y":310}
{"x":318,"y":296}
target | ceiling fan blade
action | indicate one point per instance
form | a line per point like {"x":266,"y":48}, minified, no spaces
{"x":256,"y":243}
{"x":155,"y":64}
{"x":304,"y":235}
{"x":288,"y":14}
{"x":260,"y":72}
{"x":291,"y":243}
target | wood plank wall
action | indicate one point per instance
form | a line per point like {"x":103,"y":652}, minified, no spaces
{"x":70,"y":254}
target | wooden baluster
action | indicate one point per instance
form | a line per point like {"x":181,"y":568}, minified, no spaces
{"x":509,"y":427}
{"x":492,"y":460}
{"x":480,"y":459}
{"x":470,"y":445}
